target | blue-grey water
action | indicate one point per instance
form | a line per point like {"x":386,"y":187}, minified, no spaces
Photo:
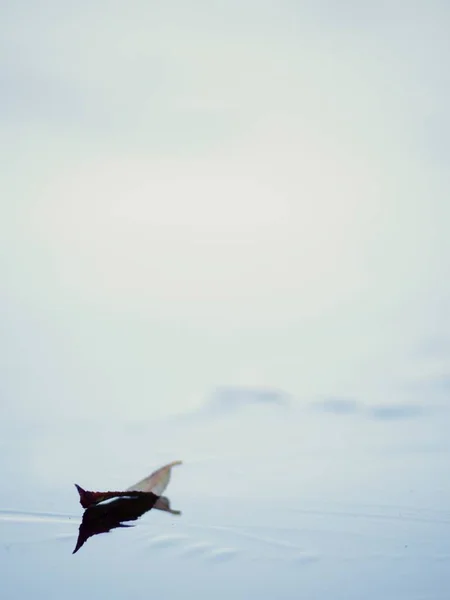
{"x":308,"y":502}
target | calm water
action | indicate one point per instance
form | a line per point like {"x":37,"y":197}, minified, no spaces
{"x":320,"y":502}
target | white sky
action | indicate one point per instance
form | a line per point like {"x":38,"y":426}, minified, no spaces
{"x":202,"y":193}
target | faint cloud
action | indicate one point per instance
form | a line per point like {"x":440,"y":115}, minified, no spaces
{"x":227,"y":399}
{"x":393,"y":412}
{"x":337,"y":406}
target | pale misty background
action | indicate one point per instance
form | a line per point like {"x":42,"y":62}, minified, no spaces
{"x":203,"y":193}
{"x":198,"y":195}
